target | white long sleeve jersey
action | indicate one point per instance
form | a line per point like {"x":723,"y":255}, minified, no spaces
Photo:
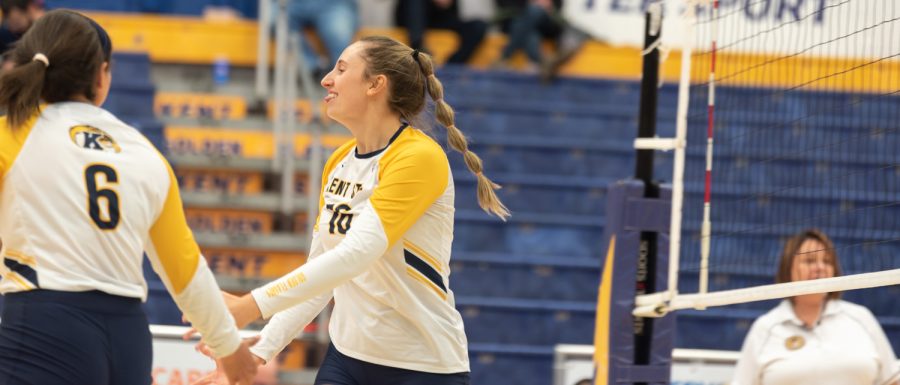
{"x":82,"y":197}
{"x":382,"y":247}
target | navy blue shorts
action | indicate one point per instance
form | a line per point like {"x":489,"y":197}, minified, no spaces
{"x":338,"y":369}
{"x":74,"y":338}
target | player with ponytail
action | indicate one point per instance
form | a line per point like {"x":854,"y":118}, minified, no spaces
{"x":382,"y":242}
{"x":83,"y":197}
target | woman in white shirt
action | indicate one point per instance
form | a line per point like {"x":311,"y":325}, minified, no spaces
{"x":815,"y":339}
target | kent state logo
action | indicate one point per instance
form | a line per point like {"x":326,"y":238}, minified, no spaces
{"x":93,"y":138}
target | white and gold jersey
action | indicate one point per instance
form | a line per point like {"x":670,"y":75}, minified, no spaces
{"x":82,"y":197}
{"x":382,"y":247}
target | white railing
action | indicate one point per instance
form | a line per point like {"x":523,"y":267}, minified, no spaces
{"x":573,"y":363}
{"x":288,"y":67}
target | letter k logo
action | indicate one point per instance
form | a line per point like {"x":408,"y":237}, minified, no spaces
{"x":90,"y":141}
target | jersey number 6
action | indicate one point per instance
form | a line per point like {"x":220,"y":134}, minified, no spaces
{"x":111,"y":220}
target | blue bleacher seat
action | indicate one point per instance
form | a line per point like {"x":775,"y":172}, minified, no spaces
{"x":475,"y":231}
{"x":714,"y":328}
{"x":131,"y":96}
{"x":477,"y":119}
{"x":96,"y":5}
{"x":511,"y":364}
{"x":531,"y":322}
{"x":247,"y":8}
{"x":512,"y":276}
{"x":522,"y":158}
{"x":536,"y":193}
{"x":132,"y":91}
{"x":131,"y":68}
{"x":130,"y":102}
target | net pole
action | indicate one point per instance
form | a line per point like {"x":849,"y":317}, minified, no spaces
{"x":706,"y":227}
{"x":646,"y":270}
{"x":684,"y":89}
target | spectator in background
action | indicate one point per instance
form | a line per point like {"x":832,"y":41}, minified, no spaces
{"x":815,"y":339}
{"x":18,"y":16}
{"x":569,"y":43}
{"x":533,"y":21}
{"x":335,"y":23}
{"x":468,"y":18}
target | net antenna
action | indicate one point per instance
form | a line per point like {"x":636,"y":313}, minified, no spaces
{"x":803,"y":104}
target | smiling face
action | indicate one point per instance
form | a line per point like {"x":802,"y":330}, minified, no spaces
{"x":812,"y":261}
{"x":809,"y":255}
{"x":347,"y":86}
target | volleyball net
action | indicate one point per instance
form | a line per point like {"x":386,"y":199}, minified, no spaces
{"x":789,"y":116}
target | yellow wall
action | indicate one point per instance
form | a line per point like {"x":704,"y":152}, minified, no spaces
{"x":219,"y":182}
{"x":180,"y":39}
{"x":231,"y":142}
{"x":252,"y":263}
{"x":195,"y":105}
{"x":229,"y":221}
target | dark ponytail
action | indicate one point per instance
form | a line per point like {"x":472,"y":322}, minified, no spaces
{"x":20,"y":91}
{"x":74,"y":47}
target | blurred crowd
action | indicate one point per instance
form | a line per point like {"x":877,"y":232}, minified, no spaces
{"x":527,"y":24}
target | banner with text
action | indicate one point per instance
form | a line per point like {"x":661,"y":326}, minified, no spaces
{"x":833,"y":28}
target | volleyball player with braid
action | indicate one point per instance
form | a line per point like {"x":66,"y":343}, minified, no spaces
{"x":382,"y":242}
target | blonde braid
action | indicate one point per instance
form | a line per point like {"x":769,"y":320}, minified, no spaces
{"x":487,"y":197}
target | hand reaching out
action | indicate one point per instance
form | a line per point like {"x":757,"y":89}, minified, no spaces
{"x":243,"y":309}
{"x":235,"y":369}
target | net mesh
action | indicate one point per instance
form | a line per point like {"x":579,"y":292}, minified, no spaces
{"x":806,"y":135}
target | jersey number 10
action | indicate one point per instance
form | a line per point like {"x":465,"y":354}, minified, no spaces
{"x":111,"y":220}
{"x":340,"y":219}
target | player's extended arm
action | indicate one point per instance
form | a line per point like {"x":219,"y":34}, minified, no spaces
{"x":288,"y":324}
{"x":176,"y":257}
{"x":411,"y":181}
